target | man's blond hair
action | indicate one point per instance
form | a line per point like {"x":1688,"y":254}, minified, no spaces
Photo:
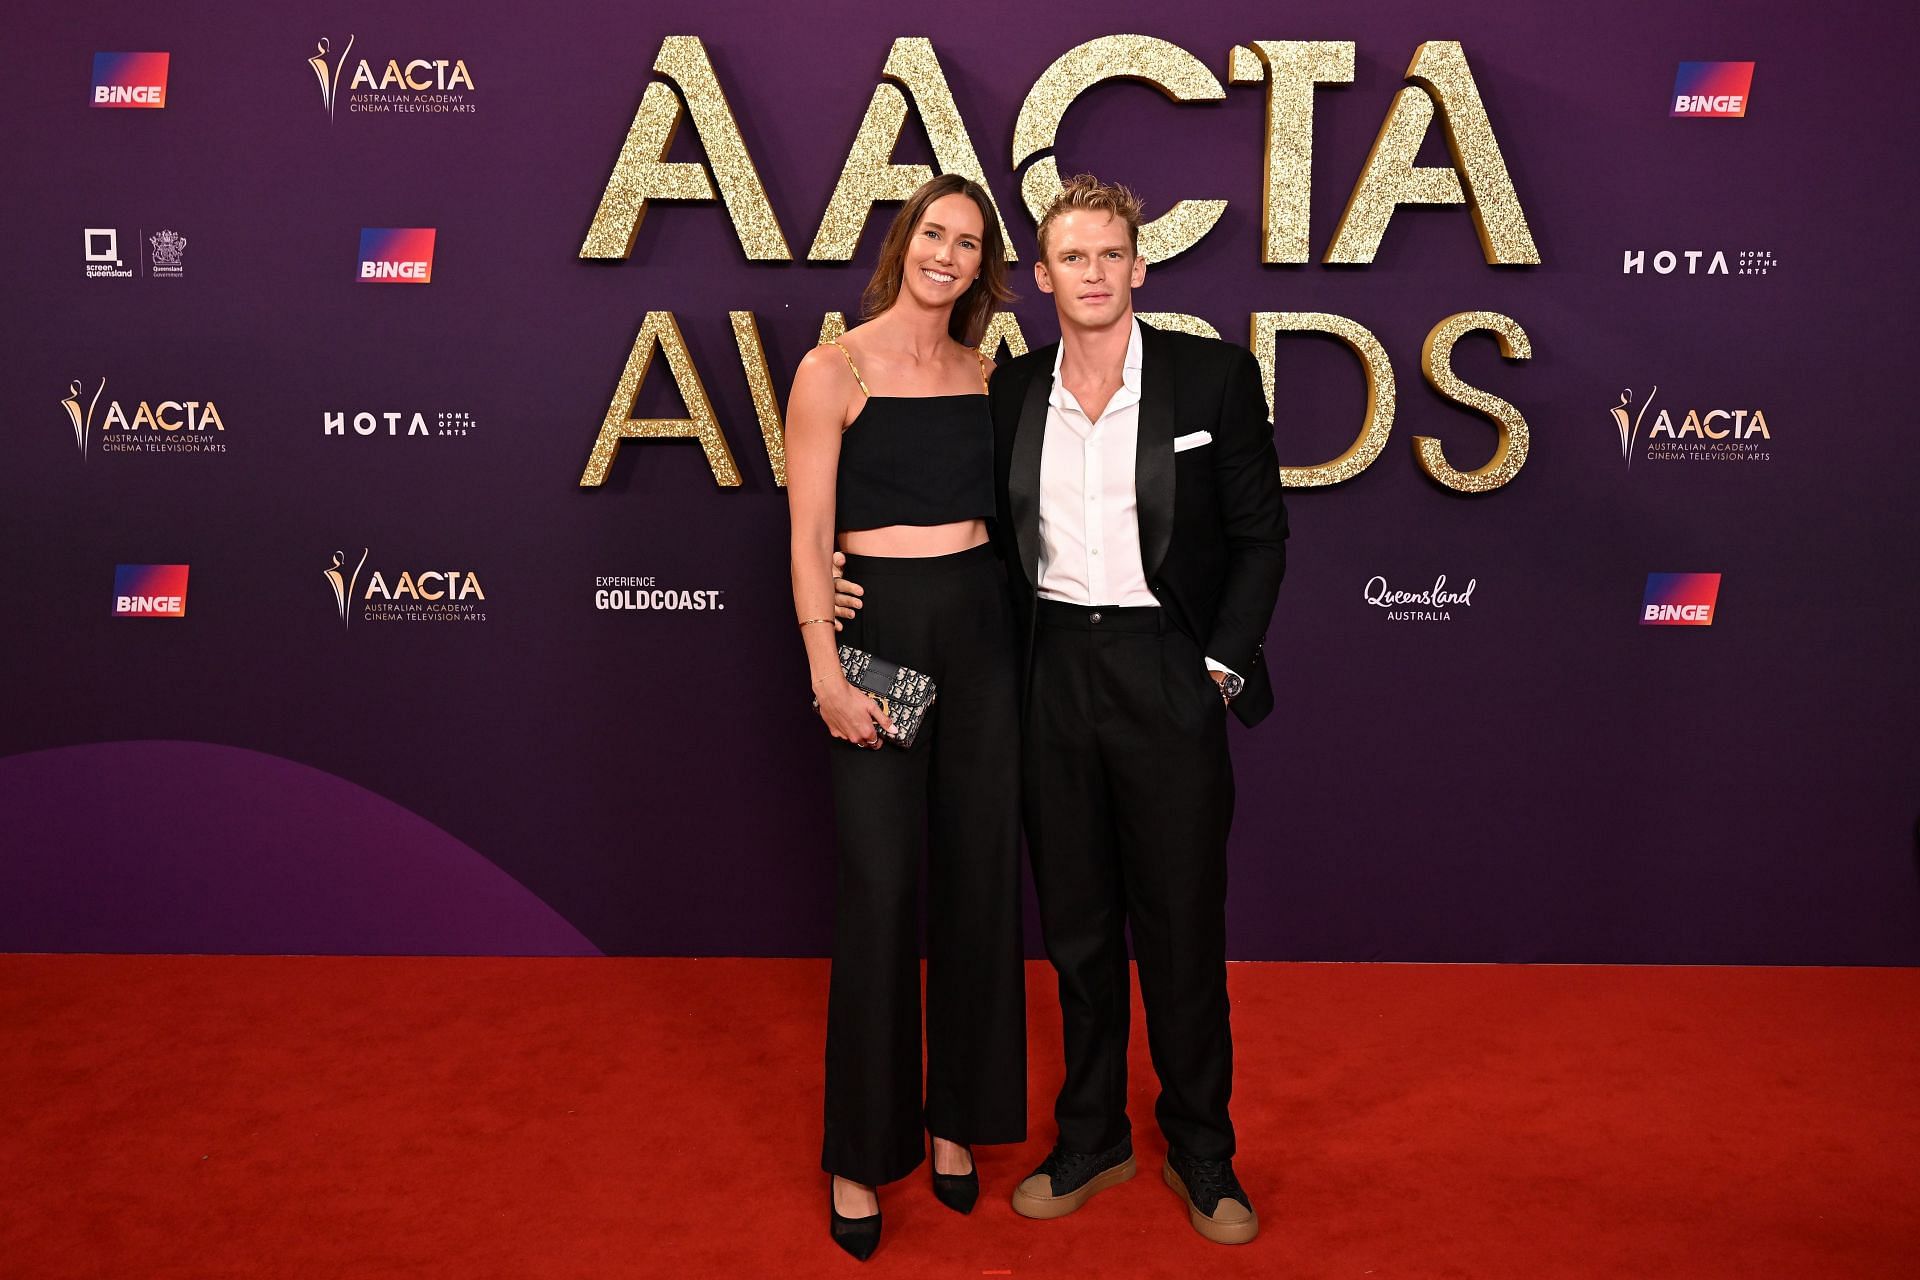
{"x":1084,"y":191}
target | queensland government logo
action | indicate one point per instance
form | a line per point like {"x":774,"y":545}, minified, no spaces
{"x":1680,"y":600}
{"x":452,"y":423}
{"x":1712,"y":89}
{"x":1711,"y":435}
{"x":1431,"y":604}
{"x":162,"y":255}
{"x":414,"y":86}
{"x":633,"y":593}
{"x":150,"y":591}
{"x":396,"y":255}
{"x":130,"y":79}
{"x":410,"y":595}
{"x":163,"y":426}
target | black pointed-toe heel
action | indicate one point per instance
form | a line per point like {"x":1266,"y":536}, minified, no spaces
{"x":858,"y":1236}
{"x":957,"y":1191}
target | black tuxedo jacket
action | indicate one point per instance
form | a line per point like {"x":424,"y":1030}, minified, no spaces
{"x":1213,"y":525}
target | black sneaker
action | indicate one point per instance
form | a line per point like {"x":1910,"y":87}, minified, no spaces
{"x":1066,"y":1180}
{"x":1217,"y":1205}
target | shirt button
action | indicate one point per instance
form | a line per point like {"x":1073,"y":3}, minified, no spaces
{"x":1094,"y":618}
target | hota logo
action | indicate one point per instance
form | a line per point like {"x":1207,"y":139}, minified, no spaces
{"x":424,"y":595}
{"x":168,"y":426}
{"x":130,"y":79}
{"x":1713,"y":435}
{"x":398,"y":422}
{"x":1699,"y":262}
{"x":396,"y":255}
{"x":1712,"y":89}
{"x":1680,"y":600}
{"x":430,"y":86}
{"x":150,"y":591}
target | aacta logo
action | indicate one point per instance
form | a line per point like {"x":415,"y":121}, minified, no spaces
{"x":183,"y":424}
{"x":130,"y":79}
{"x":150,"y":591}
{"x":396,"y":255}
{"x":1712,"y":89}
{"x":428,"y":595}
{"x":1715,"y":435}
{"x":1680,"y":600}
{"x":416,"y":85}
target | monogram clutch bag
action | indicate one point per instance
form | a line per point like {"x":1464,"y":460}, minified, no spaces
{"x":903,"y":693}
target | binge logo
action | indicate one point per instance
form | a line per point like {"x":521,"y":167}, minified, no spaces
{"x":396,"y":255}
{"x":130,"y":79}
{"x":1712,"y":89}
{"x":1680,"y":600}
{"x":150,"y":591}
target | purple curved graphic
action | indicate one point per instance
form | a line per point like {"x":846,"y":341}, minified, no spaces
{"x":193,"y":846}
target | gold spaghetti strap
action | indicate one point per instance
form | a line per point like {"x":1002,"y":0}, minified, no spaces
{"x":981,"y":356}
{"x":851,"y":365}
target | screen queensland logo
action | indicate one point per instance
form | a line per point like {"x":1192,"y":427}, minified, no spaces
{"x":141,"y":426}
{"x":1712,"y":89}
{"x":402,"y":593}
{"x":389,"y":86}
{"x":130,"y":79}
{"x":150,"y":591}
{"x":1680,"y":600}
{"x":396,"y":255}
{"x":161,"y":255}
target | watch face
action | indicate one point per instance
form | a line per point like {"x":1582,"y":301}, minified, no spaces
{"x":1231,"y":685}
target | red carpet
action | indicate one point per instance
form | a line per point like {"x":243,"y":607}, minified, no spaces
{"x":291,"y":1117}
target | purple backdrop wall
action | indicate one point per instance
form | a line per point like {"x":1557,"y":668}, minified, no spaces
{"x":1537,"y":778}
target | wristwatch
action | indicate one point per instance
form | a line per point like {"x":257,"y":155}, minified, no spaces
{"x":1230,"y":686}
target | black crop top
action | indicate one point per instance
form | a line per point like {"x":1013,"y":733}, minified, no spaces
{"x":919,"y":460}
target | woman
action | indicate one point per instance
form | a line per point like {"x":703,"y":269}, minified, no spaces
{"x":890,"y":458}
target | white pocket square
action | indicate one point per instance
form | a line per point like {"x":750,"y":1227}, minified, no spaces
{"x":1193,"y":441}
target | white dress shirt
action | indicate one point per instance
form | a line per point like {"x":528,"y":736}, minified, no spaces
{"x":1089,"y":516}
{"x":1089,"y":511}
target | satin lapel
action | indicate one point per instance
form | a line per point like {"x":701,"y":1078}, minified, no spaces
{"x":1023,"y":474}
{"x":1153,"y":452}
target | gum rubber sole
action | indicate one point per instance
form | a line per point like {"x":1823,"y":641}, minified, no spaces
{"x":1031,"y":1206}
{"x":1218,"y":1232}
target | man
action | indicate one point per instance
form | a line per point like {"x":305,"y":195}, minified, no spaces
{"x":1141,"y":519}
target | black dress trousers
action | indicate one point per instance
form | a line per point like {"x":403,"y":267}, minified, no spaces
{"x":952,"y":799}
{"x":1129,"y":797}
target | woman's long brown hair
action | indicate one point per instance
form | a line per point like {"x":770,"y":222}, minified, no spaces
{"x":983,"y":297}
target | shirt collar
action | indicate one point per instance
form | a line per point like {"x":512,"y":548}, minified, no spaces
{"x":1129,"y":372}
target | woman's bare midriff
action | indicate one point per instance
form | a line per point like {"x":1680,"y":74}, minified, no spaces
{"x":914,"y":539}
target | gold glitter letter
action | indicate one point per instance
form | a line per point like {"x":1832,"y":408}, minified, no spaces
{"x":1004,"y":330}
{"x":1168,"y":68}
{"x":1389,"y":179}
{"x":1291,"y":68}
{"x":700,"y":424}
{"x":870,"y":176}
{"x":1436,"y":362}
{"x":766,"y":404}
{"x":642,"y":172}
{"x":1180,"y":322}
{"x":1380,"y":389}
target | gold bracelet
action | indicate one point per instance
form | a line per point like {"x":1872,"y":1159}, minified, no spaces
{"x":807,"y":622}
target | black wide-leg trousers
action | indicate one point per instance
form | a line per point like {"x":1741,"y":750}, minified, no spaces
{"x":953,"y":797}
{"x":1128,"y":797}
